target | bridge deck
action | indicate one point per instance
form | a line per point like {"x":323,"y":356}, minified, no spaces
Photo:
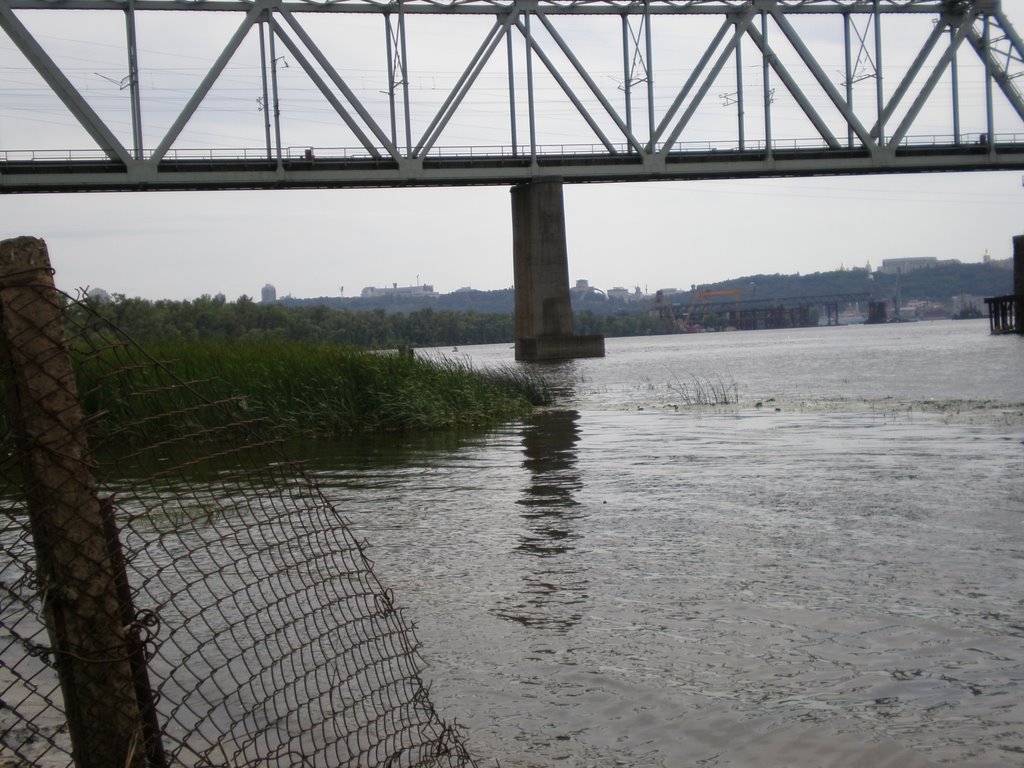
{"x":42,"y":172}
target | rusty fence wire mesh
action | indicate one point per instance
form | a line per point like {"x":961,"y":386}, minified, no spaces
{"x":174,"y":592}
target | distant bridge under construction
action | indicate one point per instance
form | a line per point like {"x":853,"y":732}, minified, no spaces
{"x":702,"y":89}
{"x":729,"y":309}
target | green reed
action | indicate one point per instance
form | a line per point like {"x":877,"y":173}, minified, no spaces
{"x":294,"y":389}
{"x":704,"y":390}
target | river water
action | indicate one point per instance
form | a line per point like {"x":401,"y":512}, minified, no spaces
{"x":827,"y":572}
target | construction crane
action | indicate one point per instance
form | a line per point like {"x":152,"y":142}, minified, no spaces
{"x":699,"y":302}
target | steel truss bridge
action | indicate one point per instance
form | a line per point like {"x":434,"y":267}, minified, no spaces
{"x":809,"y":89}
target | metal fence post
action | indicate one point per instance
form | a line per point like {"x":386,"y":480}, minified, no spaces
{"x":91,"y":646}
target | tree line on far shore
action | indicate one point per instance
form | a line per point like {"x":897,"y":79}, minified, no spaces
{"x":216,"y":319}
{"x":412,"y":324}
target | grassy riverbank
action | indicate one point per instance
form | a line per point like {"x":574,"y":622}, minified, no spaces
{"x":308,"y":389}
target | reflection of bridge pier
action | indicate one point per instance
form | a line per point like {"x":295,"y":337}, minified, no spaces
{"x":554,"y":588}
{"x":543,"y":313}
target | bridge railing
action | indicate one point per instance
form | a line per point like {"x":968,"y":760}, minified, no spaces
{"x":505,"y":151}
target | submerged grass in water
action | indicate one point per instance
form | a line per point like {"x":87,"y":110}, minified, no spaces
{"x":307,"y":389}
{"x":704,"y":390}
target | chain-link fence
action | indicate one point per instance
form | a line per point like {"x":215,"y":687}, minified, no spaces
{"x":174,"y":592}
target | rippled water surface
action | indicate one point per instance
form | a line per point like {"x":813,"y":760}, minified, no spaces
{"x":826,"y":573}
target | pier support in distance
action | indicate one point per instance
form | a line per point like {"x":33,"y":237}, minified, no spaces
{"x":1006,"y":313}
{"x":543,"y":312}
{"x":1018,"y":283}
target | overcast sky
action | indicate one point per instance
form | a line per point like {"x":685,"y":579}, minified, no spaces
{"x":319,"y":243}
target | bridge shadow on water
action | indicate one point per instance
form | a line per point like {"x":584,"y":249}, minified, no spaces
{"x":554,"y":589}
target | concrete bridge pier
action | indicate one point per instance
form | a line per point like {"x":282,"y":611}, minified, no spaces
{"x":543,"y":313}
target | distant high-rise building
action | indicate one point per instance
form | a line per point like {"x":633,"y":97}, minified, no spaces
{"x":269,"y":294}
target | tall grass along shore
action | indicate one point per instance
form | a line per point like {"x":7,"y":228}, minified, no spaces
{"x":304,"y":389}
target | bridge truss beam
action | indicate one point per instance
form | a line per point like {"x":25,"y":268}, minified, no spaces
{"x":663,"y":134}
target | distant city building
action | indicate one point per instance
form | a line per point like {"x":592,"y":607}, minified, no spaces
{"x":584,"y":290}
{"x":619,"y":293}
{"x":966,"y":305}
{"x":894,"y":266}
{"x":997,"y":263}
{"x":269,"y":294}
{"x":99,"y":295}
{"x":417,"y":291}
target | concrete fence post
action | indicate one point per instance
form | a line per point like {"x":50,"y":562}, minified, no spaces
{"x":81,"y":590}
